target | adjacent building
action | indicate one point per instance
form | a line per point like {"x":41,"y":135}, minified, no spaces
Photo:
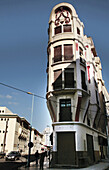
{"x":14,"y":133}
{"x":75,"y":91}
{"x":46,"y":136}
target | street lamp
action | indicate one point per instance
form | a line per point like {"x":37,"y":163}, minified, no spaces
{"x":29,"y":152}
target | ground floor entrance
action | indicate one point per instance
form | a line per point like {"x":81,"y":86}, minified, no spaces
{"x":90,"y":147}
{"x":66,"y":151}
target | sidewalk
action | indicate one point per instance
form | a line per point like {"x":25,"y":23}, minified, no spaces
{"x":103,"y":165}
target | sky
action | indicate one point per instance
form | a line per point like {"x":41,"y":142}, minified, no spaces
{"x":23,"y":51}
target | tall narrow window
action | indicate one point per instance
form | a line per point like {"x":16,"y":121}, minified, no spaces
{"x":69,"y":78}
{"x":68,"y":52}
{"x":65,"y":110}
{"x":58,"y":30}
{"x":57,"y":80}
{"x":97,"y":97}
{"x":67,"y":28}
{"x":83,"y":80}
{"x":58,"y":53}
{"x":78,"y":31}
{"x":80,"y":51}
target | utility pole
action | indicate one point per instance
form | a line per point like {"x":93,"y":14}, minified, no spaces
{"x":30,"y":143}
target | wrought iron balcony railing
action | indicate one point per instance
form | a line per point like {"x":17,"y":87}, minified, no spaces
{"x":63,"y":85}
{"x":65,"y":116}
{"x":62,"y":58}
{"x":57,"y":86}
{"x":70,"y":84}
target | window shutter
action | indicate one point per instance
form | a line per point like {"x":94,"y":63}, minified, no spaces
{"x":57,"y":53}
{"x":68,"y":51}
{"x":57,"y":73}
{"x":69,"y":78}
{"x":58,"y":30}
{"x":67,"y":28}
{"x":57,"y":80}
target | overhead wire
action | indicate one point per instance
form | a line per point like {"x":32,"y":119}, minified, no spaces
{"x":26,"y":92}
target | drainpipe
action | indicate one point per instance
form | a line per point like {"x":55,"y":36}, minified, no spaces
{"x":4,"y":141}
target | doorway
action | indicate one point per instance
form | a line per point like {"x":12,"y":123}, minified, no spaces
{"x":66,"y":148}
{"x":90,"y":148}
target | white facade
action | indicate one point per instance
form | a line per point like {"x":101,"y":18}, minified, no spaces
{"x":46,"y":136}
{"x":36,"y":138}
{"x":75,"y":91}
{"x":14,"y":133}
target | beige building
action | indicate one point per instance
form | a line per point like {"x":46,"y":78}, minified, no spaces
{"x":76,"y":93}
{"x":14,"y":133}
{"x":37,"y":139}
{"x":46,"y":136}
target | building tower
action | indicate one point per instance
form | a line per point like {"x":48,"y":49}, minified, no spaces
{"x":74,"y":82}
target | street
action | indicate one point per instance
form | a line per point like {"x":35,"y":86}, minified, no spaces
{"x":103,"y":165}
{"x":8,"y":165}
{"x":21,"y":165}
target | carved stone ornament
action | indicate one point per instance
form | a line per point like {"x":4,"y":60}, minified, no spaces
{"x":62,"y":16}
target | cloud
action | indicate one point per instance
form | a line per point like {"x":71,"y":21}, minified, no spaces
{"x":13,"y":103}
{"x":14,"y":93}
{"x":8,"y":97}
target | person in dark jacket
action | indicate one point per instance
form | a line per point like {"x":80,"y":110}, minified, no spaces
{"x":37,"y":157}
{"x":42,"y":156}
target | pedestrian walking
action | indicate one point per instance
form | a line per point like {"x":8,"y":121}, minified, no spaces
{"x":37,"y":157}
{"x":42,"y":156}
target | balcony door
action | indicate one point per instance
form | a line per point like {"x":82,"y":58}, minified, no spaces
{"x":69,"y":78}
{"x":58,"y":53}
{"x":65,"y":110}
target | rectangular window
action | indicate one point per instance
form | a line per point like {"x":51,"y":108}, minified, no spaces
{"x":80,"y":51}
{"x":65,"y":110}
{"x":97,"y":97}
{"x":69,"y":78}
{"x":67,"y":28}
{"x":78,"y":31}
{"x":68,"y":51}
{"x":58,"y":30}
{"x":83,"y":80}
{"x":58,"y":53}
{"x":57,"y":80}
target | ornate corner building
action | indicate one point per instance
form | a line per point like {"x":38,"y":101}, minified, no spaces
{"x":75,"y":91}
